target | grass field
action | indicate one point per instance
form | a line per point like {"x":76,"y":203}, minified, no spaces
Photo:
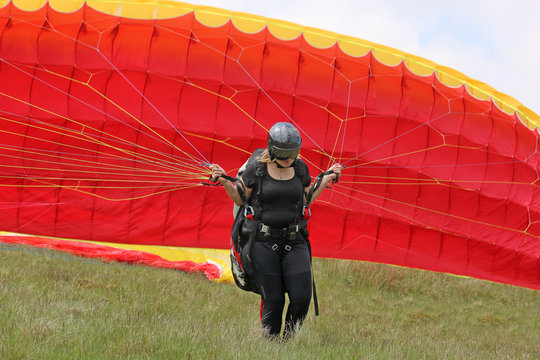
{"x":57,"y":306}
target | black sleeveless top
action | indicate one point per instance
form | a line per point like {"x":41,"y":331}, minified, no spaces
{"x":280,"y":199}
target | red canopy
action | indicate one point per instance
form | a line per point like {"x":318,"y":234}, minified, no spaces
{"x":108,"y":122}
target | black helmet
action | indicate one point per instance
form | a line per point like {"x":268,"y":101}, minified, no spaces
{"x":284,"y":141}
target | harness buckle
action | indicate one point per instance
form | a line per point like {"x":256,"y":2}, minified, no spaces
{"x":291,"y":231}
{"x":265,"y":229}
{"x":275,"y":247}
{"x":288,"y":247}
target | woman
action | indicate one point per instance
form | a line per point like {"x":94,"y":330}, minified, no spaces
{"x":280,"y":253}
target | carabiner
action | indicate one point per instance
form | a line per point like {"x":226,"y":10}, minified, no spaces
{"x":306,"y":214}
{"x":249,"y":212}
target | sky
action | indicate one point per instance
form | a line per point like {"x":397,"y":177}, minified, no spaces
{"x":496,"y":41}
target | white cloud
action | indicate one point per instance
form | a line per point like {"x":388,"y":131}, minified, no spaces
{"x":497,"y":42}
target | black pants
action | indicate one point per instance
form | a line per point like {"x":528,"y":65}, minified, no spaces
{"x":277,"y":275}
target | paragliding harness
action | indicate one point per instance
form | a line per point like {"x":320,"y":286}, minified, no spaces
{"x":246,"y":226}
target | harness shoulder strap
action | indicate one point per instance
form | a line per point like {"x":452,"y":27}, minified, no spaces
{"x":300,"y":168}
{"x":260,"y":170}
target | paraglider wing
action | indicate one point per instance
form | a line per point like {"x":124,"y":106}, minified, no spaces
{"x":110,"y":113}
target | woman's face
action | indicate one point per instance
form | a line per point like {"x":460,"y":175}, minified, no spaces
{"x":285,"y":163}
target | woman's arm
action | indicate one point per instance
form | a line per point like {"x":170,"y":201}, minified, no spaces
{"x":230,"y":188}
{"x":336,"y":171}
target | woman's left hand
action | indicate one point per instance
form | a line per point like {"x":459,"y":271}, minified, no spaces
{"x":336,"y":172}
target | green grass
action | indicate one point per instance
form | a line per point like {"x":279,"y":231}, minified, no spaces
{"x":57,"y":306}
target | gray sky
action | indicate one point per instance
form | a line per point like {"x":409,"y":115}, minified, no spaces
{"x":496,"y":41}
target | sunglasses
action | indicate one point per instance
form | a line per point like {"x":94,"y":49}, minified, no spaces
{"x":285,"y":158}
{"x":286,"y":154}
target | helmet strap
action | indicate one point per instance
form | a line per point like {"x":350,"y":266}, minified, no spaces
{"x":278,"y":166}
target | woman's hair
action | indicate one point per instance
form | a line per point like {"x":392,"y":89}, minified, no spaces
{"x":264,"y":157}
